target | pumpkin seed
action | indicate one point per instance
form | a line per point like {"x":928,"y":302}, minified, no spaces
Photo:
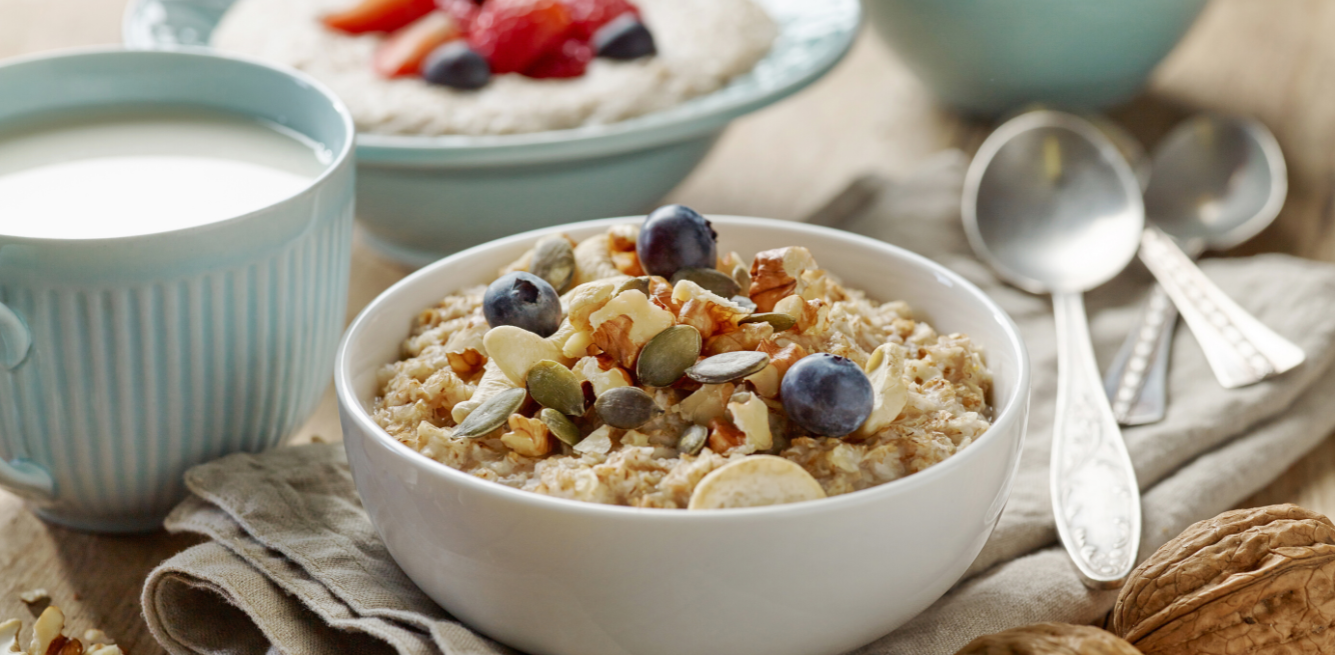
{"x":491,"y":414}
{"x":778,"y":320}
{"x":626,"y":407}
{"x":561,"y":427}
{"x":728,"y":366}
{"x":667,"y":356}
{"x":742,"y":276}
{"x":554,"y":386}
{"x":746,"y":303}
{"x":640,"y":284}
{"x":711,"y":279}
{"x":693,"y":440}
{"x":554,"y":261}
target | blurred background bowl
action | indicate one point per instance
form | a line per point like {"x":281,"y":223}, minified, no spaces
{"x":987,"y":57}
{"x":419,"y":198}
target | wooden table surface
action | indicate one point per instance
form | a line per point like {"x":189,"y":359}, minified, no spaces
{"x":1268,"y":58}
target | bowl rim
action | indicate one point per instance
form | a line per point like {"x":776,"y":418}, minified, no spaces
{"x":1005,"y":420}
{"x":339,"y":159}
{"x":692,"y":118}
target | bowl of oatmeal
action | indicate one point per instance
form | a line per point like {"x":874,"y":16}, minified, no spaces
{"x":442,"y":168}
{"x":811,"y":536}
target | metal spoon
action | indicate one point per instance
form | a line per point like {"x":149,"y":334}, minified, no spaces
{"x":1216,"y":182}
{"x":1054,"y":208}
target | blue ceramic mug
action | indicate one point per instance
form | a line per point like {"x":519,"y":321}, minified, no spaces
{"x":991,"y":56}
{"x":124,"y":361}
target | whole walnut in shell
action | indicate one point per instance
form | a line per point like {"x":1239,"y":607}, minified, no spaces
{"x":1247,"y":582}
{"x":1050,"y":639}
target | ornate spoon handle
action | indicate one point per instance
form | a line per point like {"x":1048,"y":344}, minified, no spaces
{"x":1240,"y":349}
{"x":1095,"y":498}
{"x":1137,"y":380}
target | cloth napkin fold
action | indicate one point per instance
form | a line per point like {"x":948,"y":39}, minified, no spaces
{"x":294,"y":566}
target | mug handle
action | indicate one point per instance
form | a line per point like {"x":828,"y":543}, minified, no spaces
{"x":21,"y":476}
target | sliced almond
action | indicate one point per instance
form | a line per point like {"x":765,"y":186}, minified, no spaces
{"x":516,"y":350}
{"x":755,"y":481}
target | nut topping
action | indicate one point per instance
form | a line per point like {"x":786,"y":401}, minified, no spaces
{"x":1247,"y":582}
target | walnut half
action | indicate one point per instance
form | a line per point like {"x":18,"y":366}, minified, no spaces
{"x":1049,"y":639}
{"x":1247,"y":582}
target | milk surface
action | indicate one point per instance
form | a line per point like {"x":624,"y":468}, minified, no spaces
{"x":142,"y":172}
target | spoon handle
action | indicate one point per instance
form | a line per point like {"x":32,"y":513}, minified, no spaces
{"x":1137,"y":380}
{"x":1095,"y":498}
{"x":1240,"y":349}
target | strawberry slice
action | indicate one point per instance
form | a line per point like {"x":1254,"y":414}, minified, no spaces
{"x":379,"y":15}
{"x":513,"y":34}
{"x":586,"y":16}
{"x":462,"y":11}
{"x":570,"y":60}
{"x":404,"y":51}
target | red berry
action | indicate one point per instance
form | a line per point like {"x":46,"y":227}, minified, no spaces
{"x":513,"y":34}
{"x":462,"y":11}
{"x":405,"y":50}
{"x":378,"y":15}
{"x":588,"y":15}
{"x":570,"y":60}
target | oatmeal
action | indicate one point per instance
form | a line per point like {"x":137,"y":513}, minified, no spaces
{"x":627,"y":373}
{"x":700,"y":46}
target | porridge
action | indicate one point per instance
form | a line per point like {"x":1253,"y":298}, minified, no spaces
{"x":640,"y":367}
{"x":488,"y":68}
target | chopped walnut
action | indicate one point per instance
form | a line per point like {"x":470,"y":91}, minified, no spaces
{"x":527,"y":436}
{"x":751,"y":415}
{"x":621,"y":249}
{"x":626,"y":323}
{"x":747,"y":336}
{"x":464,"y":349}
{"x":777,"y":273}
{"x":709,"y":313}
{"x":782,"y":356}
{"x":593,"y":260}
{"x":723,"y":436}
{"x":706,"y":404}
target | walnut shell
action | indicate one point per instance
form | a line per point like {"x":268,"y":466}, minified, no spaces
{"x":1247,"y":582}
{"x":1050,"y":639}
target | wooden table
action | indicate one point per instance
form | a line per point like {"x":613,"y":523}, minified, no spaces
{"x":1268,"y":58}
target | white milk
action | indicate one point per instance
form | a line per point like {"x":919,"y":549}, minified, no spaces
{"x":146,"y":172}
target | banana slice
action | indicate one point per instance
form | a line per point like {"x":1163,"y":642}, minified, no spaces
{"x":755,"y":481}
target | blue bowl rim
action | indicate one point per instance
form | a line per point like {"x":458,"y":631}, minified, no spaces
{"x":688,"y":120}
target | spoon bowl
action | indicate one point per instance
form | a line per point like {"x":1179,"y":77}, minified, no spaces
{"x":1217,"y":182}
{"x":1051,"y":205}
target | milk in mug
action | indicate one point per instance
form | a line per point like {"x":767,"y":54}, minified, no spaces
{"x":127,"y":172}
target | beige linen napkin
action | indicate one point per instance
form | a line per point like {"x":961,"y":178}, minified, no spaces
{"x":295,"y":567}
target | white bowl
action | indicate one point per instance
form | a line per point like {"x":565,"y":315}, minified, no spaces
{"x":558,"y":577}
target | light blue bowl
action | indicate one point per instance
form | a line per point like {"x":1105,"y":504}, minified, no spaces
{"x":991,"y":56}
{"x":420,"y":198}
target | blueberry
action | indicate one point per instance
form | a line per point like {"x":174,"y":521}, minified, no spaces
{"x":523,"y":300}
{"x":456,"y":65}
{"x":676,"y":237}
{"x":827,"y":394}
{"x":624,"y":37}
